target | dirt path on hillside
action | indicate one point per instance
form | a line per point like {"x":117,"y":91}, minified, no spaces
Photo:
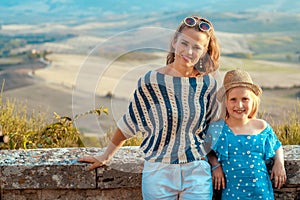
{"x":17,"y":76}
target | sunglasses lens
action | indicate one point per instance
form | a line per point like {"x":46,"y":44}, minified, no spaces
{"x":204,"y":26}
{"x":189,"y":21}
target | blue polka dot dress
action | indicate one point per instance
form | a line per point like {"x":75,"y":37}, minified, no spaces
{"x":243,"y":161}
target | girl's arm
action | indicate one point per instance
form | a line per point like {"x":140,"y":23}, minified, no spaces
{"x":278,"y":170}
{"x":217,"y":171}
{"x":99,"y":160}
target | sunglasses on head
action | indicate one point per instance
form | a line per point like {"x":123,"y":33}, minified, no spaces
{"x":192,"y":21}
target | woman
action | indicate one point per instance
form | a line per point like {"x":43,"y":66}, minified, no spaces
{"x":172,"y":107}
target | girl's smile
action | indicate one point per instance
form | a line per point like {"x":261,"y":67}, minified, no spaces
{"x":239,"y":103}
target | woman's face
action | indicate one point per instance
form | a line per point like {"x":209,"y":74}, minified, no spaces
{"x":239,"y":103}
{"x":190,"y":46}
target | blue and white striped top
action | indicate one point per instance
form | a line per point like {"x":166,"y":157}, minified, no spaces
{"x":173,"y":114}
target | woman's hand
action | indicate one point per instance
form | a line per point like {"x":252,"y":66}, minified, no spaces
{"x":218,"y":178}
{"x":278,"y":173}
{"x":96,"y":161}
{"x":100,"y":160}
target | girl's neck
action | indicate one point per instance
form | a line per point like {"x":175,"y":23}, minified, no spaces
{"x":237,"y":123}
{"x":247,"y":126}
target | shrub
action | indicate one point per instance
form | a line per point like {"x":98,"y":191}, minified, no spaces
{"x":29,"y":131}
{"x":288,"y":132}
{"x":13,"y":119}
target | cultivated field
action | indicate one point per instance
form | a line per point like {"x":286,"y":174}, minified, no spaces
{"x":75,"y":82}
{"x":65,"y":86}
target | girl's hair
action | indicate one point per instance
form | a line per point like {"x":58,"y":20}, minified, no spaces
{"x":210,"y":61}
{"x":256,"y":102}
{"x":255,"y":105}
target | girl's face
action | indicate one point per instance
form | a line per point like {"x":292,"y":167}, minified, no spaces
{"x":190,"y":46}
{"x":239,"y":103}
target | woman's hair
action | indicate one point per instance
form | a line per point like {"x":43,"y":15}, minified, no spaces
{"x":210,"y":61}
{"x":255,"y":105}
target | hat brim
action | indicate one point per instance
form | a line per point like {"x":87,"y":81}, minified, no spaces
{"x":222,"y":91}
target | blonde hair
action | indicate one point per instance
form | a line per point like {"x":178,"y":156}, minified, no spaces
{"x":255,"y":105}
{"x":210,"y":61}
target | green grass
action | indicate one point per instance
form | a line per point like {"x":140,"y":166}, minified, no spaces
{"x":276,"y":42}
{"x":288,"y":131}
{"x":31,"y":129}
{"x":228,"y":63}
{"x":101,"y":142}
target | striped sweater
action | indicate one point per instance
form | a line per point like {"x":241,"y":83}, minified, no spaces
{"x":173,"y":114}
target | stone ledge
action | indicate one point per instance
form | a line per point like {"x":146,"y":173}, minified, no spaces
{"x":72,"y":194}
{"x":48,"y":173}
{"x":59,"y":169}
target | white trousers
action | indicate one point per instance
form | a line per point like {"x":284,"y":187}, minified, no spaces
{"x":190,"y":181}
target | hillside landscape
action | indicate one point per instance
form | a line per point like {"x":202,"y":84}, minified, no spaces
{"x":69,"y":58}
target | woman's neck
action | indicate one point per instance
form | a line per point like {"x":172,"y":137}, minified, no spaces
{"x":183,"y":71}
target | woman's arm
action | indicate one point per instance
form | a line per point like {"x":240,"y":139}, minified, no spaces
{"x":278,"y":170}
{"x":99,"y":160}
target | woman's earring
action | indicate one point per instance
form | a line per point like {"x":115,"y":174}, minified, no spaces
{"x":200,"y":63}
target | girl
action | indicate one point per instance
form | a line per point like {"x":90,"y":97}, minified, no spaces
{"x":172,"y":107}
{"x":243,"y":142}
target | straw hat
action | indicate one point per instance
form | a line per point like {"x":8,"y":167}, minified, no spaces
{"x":237,"y":78}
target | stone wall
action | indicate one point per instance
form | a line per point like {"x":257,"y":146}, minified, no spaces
{"x":55,"y":174}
